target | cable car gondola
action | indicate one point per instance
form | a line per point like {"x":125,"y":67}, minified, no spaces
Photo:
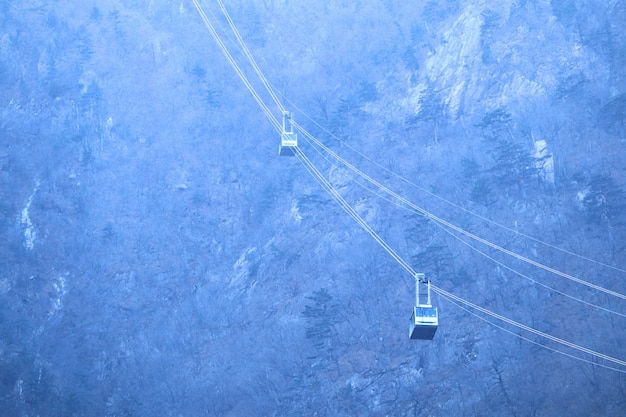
{"x":288,"y":139}
{"x":425,"y":319}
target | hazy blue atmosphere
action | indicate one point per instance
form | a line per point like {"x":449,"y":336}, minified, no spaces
{"x":159,"y":258}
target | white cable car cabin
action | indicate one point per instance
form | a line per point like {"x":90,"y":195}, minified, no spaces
{"x":288,"y":139}
{"x":425,"y":320}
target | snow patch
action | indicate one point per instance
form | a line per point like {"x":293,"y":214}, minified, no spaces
{"x":295,"y":213}
{"x":412,"y":100}
{"x":544,"y":162}
{"x":61,"y":289}
{"x":242,"y":266}
{"x":86,"y":79}
{"x":581,"y":196}
{"x":30,"y":233}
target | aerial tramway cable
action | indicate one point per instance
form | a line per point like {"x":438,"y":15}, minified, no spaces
{"x":451,"y":203}
{"x":236,"y":67}
{"x":534,"y":342}
{"x":452,"y":226}
{"x":482,"y":253}
{"x":312,"y":169}
{"x":250,"y":58}
{"x":534,"y":281}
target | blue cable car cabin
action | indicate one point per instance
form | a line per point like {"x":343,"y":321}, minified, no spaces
{"x":425,"y":319}
{"x":288,"y":139}
{"x":424,"y":323}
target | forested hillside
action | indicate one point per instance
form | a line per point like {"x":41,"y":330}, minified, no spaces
{"x":157,"y":256}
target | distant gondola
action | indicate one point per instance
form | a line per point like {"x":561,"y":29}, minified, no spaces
{"x":425,"y":319}
{"x":288,"y":139}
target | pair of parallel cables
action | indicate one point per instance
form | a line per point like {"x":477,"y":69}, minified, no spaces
{"x":455,"y":231}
